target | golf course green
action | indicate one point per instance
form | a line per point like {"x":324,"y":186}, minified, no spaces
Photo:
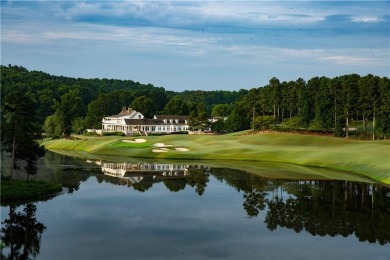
{"x":366,"y":158}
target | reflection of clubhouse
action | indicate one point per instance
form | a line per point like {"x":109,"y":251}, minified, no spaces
{"x":135,"y":172}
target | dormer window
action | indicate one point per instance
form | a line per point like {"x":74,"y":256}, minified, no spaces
{"x":177,"y":121}
{"x":165,"y":121}
{"x":171,"y":121}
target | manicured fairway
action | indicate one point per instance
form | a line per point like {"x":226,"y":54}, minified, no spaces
{"x":368,"y":158}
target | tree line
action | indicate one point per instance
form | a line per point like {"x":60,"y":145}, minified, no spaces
{"x":323,"y":104}
{"x":64,"y":105}
{"x":333,"y":105}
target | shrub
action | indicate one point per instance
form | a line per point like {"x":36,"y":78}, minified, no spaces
{"x":86,"y":133}
{"x":113,"y":133}
{"x":264,"y":122}
{"x":18,"y":190}
{"x":156,"y":134}
{"x":292,"y":123}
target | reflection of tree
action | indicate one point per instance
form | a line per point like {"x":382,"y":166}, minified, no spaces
{"x":198,"y":178}
{"x":324,"y":208}
{"x":71,"y":178}
{"x":252,"y":185}
{"x":176,"y":184}
{"x":145,"y":184}
{"x":333,"y":208}
{"x":254,"y":202}
{"x":22,"y":233}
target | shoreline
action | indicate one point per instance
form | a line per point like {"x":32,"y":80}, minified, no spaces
{"x":367,"y":159}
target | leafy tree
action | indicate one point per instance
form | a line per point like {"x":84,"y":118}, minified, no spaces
{"x":218,"y":126}
{"x":349,"y":97}
{"x":18,"y":130}
{"x":221,"y":110}
{"x":78,"y":125}
{"x":276,"y":96}
{"x":159,"y":98}
{"x":263,"y":100}
{"x":30,"y":152}
{"x":45,"y":102}
{"x":308,"y":94}
{"x":369,"y":99}
{"x":144,"y":105}
{"x":383,"y":117}
{"x":198,"y":119}
{"x":323,"y":104}
{"x":236,"y":121}
{"x":96,"y":111}
{"x":53,"y":126}
{"x":290,"y":97}
{"x":176,"y":106}
{"x":69,"y":108}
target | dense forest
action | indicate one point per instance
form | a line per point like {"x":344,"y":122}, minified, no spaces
{"x":330,"y":105}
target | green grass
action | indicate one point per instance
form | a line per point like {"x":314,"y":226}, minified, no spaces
{"x":21,"y":191}
{"x":367,"y":158}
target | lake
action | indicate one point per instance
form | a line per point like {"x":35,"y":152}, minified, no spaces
{"x":132,"y":209}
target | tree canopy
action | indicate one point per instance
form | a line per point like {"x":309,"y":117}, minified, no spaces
{"x":64,"y":104}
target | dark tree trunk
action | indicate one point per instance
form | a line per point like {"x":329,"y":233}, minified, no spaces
{"x":347,"y":126}
{"x":11,"y":171}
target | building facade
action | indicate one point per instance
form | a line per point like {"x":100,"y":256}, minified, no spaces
{"x":130,"y":121}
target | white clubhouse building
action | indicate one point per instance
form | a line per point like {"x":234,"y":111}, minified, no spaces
{"x":129,"y":121}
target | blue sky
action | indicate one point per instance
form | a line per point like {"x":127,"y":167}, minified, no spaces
{"x":191,"y":45}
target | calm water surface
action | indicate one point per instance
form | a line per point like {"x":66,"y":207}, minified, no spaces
{"x":138,"y":210}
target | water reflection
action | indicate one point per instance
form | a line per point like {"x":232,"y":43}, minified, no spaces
{"x":21,"y":233}
{"x":142,"y":176}
{"x":323,"y":208}
{"x":332,"y":208}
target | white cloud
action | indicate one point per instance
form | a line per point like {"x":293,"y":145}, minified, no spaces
{"x":173,"y":39}
{"x":365,"y":19}
{"x":351,"y":60}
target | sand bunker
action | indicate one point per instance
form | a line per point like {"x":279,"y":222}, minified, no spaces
{"x":138,"y":140}
{"x":159,"y":151}
{"x":181,"y":149}
{"x":162,"y":145}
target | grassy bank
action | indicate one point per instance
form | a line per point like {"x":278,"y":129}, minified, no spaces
{"x":20,"y":191}
{"x":368,"y":158}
